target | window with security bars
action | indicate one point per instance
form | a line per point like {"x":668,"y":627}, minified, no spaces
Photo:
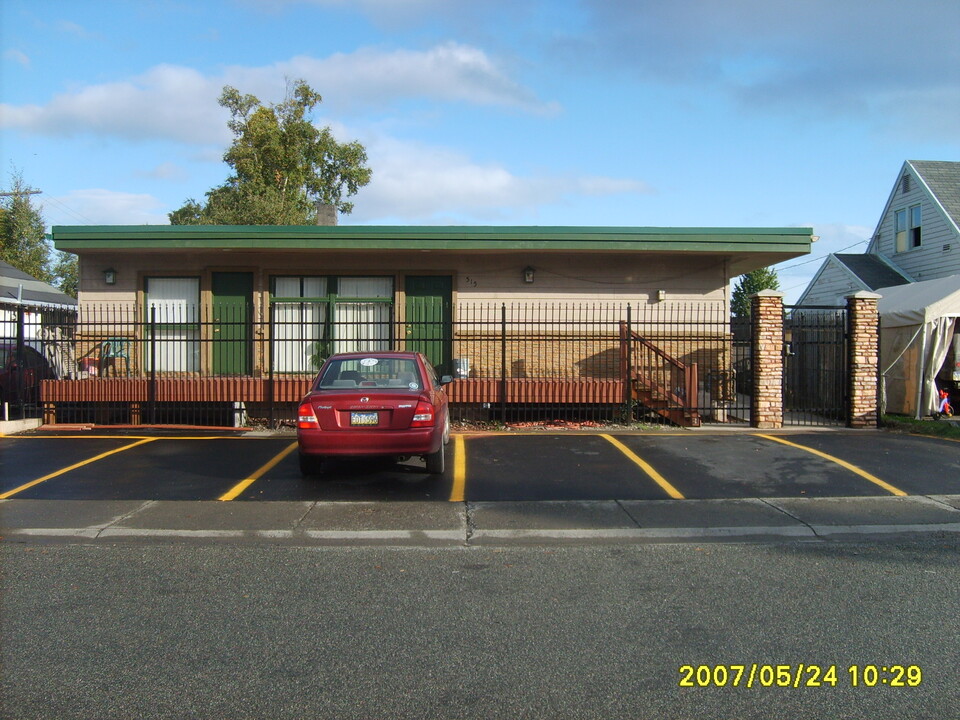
{"x":173,"y":318}
{"x":316,"y":316}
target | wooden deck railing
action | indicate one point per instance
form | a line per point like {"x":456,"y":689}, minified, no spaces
{"x":658,"y":380}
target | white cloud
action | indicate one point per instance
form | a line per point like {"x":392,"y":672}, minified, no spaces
{"x":417,"y":183}
{"x":71,"y":28}
{"x":17,"y":56}
{"x":97,"y":206}
{"x":177,"y":103}
{"x":818,"y":57}
{"x":164,"y":171}
{"x":372,"y":78}
{"x":167,"y":102}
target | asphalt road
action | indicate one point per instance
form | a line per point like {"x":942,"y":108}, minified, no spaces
{"x":128,"y":589}
{"x":210,"y":630}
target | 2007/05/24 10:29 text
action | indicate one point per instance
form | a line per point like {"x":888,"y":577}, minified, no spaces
{"x":799,"y":675}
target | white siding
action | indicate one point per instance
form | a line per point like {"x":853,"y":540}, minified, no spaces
{"x":832,"y":286}
{"x":939,"y":254}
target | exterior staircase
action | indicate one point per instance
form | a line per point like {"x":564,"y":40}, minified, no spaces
{"x":658,"y":381}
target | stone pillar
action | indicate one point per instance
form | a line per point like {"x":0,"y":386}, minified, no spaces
{"x":863,"y":330}
{"x":766,"y":314}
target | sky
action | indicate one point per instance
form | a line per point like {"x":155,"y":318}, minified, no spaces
{"x":687,"y":113}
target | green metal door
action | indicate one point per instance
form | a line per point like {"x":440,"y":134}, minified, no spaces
{"x":429,"y":318}
{"x":232,"y":310}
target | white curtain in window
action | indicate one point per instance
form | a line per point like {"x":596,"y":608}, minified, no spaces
{"x":173,"y":304}
{"x":298,"y":327}
{"x":363,"y":326}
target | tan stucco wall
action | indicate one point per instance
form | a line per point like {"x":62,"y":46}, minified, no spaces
{"x":479,"y":278}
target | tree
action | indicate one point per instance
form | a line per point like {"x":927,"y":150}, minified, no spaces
{"x":283,"y":165}
{"x":23,"y":241}
{"x":66,"y":273}
{"x":753,"y":282}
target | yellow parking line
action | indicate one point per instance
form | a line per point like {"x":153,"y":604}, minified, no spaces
{"x":244,"y":484}
{"x":647,"y":468}
{"x":842,"y":463}
{"x":459,"y":469}
{"x":11,"y":493}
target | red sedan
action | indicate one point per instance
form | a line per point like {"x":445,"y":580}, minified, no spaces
{"x":375,"y":403}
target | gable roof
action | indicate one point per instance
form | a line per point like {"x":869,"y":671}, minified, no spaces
{"x":17,"y":287}
{"x":943,"y":181}
{"x":869,"y":272}
{"x":872,"y":271}
{"x":940,"y":179}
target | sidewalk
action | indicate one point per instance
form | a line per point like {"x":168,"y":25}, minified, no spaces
{"x":481,"y":523}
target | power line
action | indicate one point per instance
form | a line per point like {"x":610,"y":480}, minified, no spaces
{"x":66,"y":208}
{"x":820,"y":257}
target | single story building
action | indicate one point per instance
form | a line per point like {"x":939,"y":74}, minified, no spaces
{"x":484,"y":303}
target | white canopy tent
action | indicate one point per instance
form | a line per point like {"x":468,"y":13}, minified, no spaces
{"x":917,"y":323}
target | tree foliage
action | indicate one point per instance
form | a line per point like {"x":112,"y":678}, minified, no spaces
{"x":66,"y":273}
{"x":283,"y":165}
{"x":23,"y":240}
{"x":23,"y":232}
{"x":753,"y":282}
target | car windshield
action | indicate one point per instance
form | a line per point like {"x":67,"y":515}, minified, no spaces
{"x":371,"y":372}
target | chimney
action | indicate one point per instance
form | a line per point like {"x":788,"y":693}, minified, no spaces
{"x":326,"y":214}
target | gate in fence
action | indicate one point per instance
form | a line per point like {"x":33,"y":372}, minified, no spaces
{"x":815,"y":365}
{"x":669,"y":363}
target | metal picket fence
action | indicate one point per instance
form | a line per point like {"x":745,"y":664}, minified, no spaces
{"x":522,"y":362}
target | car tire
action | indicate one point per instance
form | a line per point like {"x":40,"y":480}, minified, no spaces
{"x":446,"y":431}
{"x":436,"y":461}
{"x":310,"y":465}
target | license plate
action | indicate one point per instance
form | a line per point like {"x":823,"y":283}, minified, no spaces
{"x":364,"y":418}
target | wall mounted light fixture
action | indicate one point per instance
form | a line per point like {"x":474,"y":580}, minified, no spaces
{"x":661,"y":295}
{"x":110,"y":276}
{"x":528,"y":274}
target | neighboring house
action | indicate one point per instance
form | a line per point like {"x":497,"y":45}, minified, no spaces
{"x":916,"y":242}
{"x":17,"y":288}
{"x":265,"y":300}
{"x":842,"y":275}
{"x":37,"y":299}
{"x":916,"y":239}
{"x":35,"y":314}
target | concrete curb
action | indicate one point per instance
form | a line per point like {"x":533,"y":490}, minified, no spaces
{"x":480,"y":524}
{"x":11,"y":427}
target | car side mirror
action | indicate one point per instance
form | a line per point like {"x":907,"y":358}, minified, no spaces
{"x":446,"y":379}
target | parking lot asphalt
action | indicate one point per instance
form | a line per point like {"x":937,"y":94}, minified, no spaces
{"x":499,"y":488}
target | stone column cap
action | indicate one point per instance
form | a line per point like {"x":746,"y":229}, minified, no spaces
{"x":863,"y":295}
{"x":768,"y":294}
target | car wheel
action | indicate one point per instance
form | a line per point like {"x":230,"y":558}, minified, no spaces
{"x":435,"y":461}
{"x":446,"y":431}
{"x":310,"y":465}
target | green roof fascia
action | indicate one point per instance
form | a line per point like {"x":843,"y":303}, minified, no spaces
{"x":371,"y":237}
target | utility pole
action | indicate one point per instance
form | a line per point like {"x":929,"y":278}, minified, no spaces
{"x":21,"y":192}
